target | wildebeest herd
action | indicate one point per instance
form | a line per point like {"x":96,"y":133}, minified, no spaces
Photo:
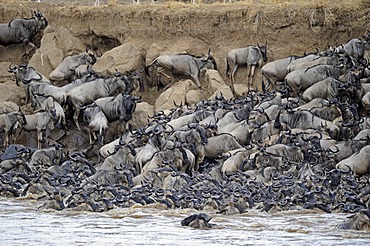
{"x":300,"y":143}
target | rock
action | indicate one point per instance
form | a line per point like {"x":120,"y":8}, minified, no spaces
{"x":67,"y":43}
{"x":125,"y":57}
{"x":214,"y":80}
{"x":6,"y":76}
{"x":194,"y":96}
{"x":175,"y":93}
{"x":140,"y":116}
{"x":9,"y":91}
{"x":154,"y":51}
{"x":13,"y":53}
{"x":42,"y":63}
{"x":241,"y":77}
{"x":56,"y":44}
{"x":225,"y":90}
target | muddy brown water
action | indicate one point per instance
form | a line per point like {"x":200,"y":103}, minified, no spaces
{"x":22,"y":224}
{"x":225,"y":28}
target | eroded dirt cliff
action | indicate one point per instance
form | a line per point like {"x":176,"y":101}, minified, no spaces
{"x":288,"y":28}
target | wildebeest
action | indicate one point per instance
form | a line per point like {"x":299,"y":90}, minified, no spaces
{"x":321,"y":60}
{"x":45,"y":89}
{"x":66,"y":69}
{"x":90,"y":91}
{"x":326,"y":88}
{"x":120,"y":107}
{"x":251,"y":56}
{"x":9,"y":123}
{"x":302,"y":60}
{"x":25,"y":75}
{"x":198,"y":221}
{"x":359,"y":221}
{"x":306,"y":120}
{"x":39,"y":122}
{"x":359,"y":162}
{"x":301,"y":79}
{"x":354,"y":48}
{"x":84,"y":79}
{"x":22,"y":30}
{"x":45,"y":157}
{"x":41,"y":102}
{"x":215,"y":147}
{"x":97,"y":123}
{"x":276,"y":71}
{"x":182,"y":64}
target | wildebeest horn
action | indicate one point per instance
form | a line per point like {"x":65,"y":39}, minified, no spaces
{"x":12,"y":70}
{"x":227,"y":155}
{"x":170,"y":129}
{"x":136,"y":98}
{"x":261,"y":110}
{"x":334,"y":151}
{"x":174,"y":103}
{"x":158,"y":129}
{"x":82,"y":107}
{"x":132,"y":149}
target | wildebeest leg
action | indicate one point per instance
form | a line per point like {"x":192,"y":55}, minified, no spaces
{"x":126,"y":126}
{"x":91,"y":137}
{"x":75,"y":117}
{"x":196,"y":80}
{"x":122,"y":127}
{"x":269,"y":83}
{"x":199,"y":156}
{"x":250,"y":75}
{"x":39,"y":137}
{"x":94,"y":137}
{"x":6,"y":138}
{"x":233,"y":68}
{"x":161,"y":71}
{"x":26,"y":53}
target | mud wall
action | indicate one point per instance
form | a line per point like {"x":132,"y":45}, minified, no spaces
{"x":287,"y":28}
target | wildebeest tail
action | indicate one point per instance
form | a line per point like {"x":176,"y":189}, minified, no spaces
{"x":146,"y":68}
{"x":227,"y":68}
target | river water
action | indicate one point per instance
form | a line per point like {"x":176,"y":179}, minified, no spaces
{"x":22,"y":224}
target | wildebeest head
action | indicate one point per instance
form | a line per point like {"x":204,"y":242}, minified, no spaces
{"x":212,"y":60}
{"x":24,"y":74}
{"x":21,"y":117}
{"x":263,"y":49}
{"x":129,"y":105}
{"x":208,"y":61}
{"x":135,"y":80}
{"x":42,"y":22}
{"x":90,"y":56}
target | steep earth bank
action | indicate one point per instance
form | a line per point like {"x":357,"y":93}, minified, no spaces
{"x":287,"y":28}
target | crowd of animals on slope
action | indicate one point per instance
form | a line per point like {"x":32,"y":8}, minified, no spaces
{"x":290,"y":146}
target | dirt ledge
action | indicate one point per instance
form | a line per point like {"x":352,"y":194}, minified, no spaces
{"x":289,"y":29}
